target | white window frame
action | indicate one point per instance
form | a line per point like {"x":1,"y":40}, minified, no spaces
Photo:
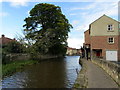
{"x":110,"y":41}
{"x":110,"y":27}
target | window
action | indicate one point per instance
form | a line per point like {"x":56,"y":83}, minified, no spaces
{"x":119,"y":25}
{"x":110,"y":27}
{"x":110,"y":40}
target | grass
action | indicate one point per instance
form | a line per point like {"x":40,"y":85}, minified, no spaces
{"x":15,"y":66}
{"x":76,"y":85}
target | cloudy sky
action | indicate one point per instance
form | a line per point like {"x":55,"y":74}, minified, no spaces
{"x":79,"y":13}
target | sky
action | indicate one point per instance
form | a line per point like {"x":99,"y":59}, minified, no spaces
{"x":79,"y":13}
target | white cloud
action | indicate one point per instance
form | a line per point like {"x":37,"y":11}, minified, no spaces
{"x":73,"y":14}
{"x":78,"y":26}
{"x":83,"y":27}
{"x":75,"y":22}
{"x":2,"y":14}
{"x":93,"y":12}
{"x":75,"y":42}
{"x":28,"y":13}
{"x":110,"y":9}
{"x":22,"y":2}
{"x":91,"y":6}
{"x":16,"y":3}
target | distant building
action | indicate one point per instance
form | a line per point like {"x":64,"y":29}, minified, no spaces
{"x":73,"y":51}
{"x":102,"y":39}
{"x":5,"y":40}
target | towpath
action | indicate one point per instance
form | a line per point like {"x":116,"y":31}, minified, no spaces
{"x":98,"y":78}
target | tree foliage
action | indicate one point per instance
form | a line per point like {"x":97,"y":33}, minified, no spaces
{"x":14,"y":47}
{"x":48,"y":29}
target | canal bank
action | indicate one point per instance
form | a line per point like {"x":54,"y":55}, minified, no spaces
{"x":16,"y":62}
{"x":93,"y":76}
{"x":82,"y":80}
{"x":53,"y":73}
{"x":15,"y":66}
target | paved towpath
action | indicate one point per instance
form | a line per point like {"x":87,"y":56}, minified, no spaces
{"x":98,"y":78}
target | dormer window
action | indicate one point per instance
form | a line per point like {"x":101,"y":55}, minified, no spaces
{"x":110,"y":27}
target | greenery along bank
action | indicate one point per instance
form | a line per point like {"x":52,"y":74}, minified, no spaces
{"x":46,"y":30}
{"x":12,"y":67}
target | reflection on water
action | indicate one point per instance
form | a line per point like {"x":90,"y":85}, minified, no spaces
{"x":54,"y":73}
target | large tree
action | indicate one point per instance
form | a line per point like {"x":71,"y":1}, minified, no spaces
{"x":48,"y":29}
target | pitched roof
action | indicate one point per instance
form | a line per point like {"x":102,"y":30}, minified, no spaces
{"x":5,"y":40}
{"x":86,"y":30}
{"x":104,"y":16}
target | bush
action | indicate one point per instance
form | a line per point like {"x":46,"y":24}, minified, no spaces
{"x":5,"y":58}
{"x":14,"y":47}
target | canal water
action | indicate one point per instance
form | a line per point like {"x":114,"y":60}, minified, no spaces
{"x":54,"y":73}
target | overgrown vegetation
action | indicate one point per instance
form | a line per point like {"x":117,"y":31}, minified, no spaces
{"x":46,"y":30}
{"x":16,"y":66}
{"x":11,"y":47}
{"x":14,"y":47}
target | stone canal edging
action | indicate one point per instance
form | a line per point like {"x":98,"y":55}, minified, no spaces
{"x":112,"y":69}
{"x":81,"y":81}
{"x":21,"y":56}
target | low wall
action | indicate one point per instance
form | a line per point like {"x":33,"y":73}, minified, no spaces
{"x":42,"y":57}
{"x":14,"y":57}
{"x":82,"y":80}
{"x":20,"y":56}
{"x":111,"y":68}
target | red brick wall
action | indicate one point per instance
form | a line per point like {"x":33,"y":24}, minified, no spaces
{"x":5,"y":40}
{"x":101,"y":42}
{"x":87,"y":37}
{"x":0,"y":41}
{"x":119,"y":48}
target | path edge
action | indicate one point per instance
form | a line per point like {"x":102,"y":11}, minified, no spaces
{"x":82,"y":80}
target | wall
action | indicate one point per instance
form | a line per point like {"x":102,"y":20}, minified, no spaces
{"x":42,"y":57}
{"x":101,"y":42}
{"x":87,"y":37}
{"x":82,"y":80}
{"x":99,"y":27}
{"x":111,"y":68}
{"x":5,"y":40}
{"x":119,"y":49}
{"x":14,"y":57}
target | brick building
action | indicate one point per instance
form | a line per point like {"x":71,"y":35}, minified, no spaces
{"x":102,"y":40}
{"x":5,"y":40}
{"x":73,"y":51}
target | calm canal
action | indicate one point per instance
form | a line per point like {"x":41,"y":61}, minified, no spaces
{"x":55,"y":73}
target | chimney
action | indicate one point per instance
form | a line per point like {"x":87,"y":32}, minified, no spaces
{"x":14,"y":39}
{"x":3,"y":35}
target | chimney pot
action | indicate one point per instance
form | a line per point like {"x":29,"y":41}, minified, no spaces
{"x":3,"y":35}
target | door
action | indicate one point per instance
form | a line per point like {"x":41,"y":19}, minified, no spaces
{"x":98,"y":53}
{"x":111,"y":55}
